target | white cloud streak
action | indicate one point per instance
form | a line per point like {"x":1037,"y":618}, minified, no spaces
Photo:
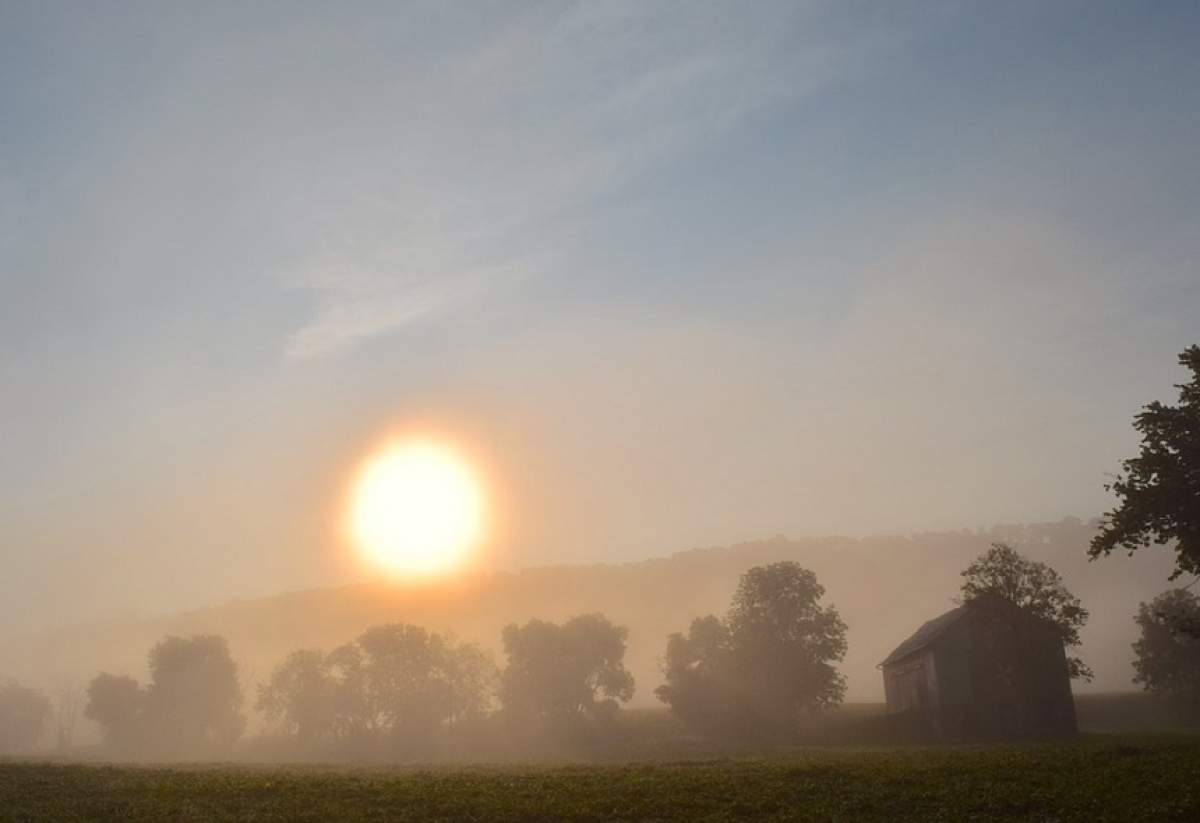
{"x":452,"y":177}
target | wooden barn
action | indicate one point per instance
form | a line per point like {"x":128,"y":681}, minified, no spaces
{"x":987,"y":670}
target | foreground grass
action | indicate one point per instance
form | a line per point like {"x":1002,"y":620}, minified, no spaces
{"x":1100,"y":779}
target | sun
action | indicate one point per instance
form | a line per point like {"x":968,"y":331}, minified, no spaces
{"x":417,"y":508}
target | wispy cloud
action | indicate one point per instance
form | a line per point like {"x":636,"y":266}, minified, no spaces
{"x":358,"y":304}
{"x":481,"y":158}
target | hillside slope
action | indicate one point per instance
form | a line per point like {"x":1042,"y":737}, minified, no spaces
{"x":883,"y":586}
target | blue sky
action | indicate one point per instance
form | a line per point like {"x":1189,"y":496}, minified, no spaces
{"x":681,"y":273}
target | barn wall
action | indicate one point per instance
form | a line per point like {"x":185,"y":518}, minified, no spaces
{"x":1019,"y":677}
{"x":953,"y":654}
{"x":911,"y":684}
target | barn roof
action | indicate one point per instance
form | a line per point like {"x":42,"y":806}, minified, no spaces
{"x":935,"y":628}
{"x":922,"y":637}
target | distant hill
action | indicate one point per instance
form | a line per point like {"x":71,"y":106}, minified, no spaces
{"x":883,"y":586}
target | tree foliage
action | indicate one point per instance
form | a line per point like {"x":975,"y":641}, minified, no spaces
{"x":194,"y":699}
{"x":1035,"y":587}
{"x":115,"y":704}
{"x":396,"y":681}
{"x":302,"y":696}
{"x":559,"y":674}
{"x":23,"y":716}
{"x":192,"y":703}
{"x":1159,"y":490}
{"x":704,"y":687}
{"x":1168,"y":650}
{"x":766,"y":663}
{"x":415,"y":681}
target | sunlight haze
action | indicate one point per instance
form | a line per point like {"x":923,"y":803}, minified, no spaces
{"x":586,"y":410}
{"x":657,"y":276}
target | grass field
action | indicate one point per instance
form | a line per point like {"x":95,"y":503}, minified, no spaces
{"x":1101,"y":778}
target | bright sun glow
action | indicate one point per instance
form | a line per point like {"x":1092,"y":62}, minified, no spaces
{"x":417,"y":508}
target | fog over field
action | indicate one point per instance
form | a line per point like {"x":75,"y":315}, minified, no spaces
{"x":884,"y":587}
{"x":320,"y":318}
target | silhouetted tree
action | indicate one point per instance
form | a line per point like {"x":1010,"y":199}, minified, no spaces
{"x":472,"y":678}
{"x":416,"y":681}
{"x":1035,"y":587}
{"x":1159,"y":490}
{"x":397,"y":680}
{"x":193,"y":700}
{"x":405,"y":686}
{"x":704,"y":687}
{"x":558,"y":675}
{"x":23,"y":716}
{"x":302,"y":696}
{"x":1168,"y":651}
{"x":115,"y":703}
{"x":786,"y":639}
{"x":354,"y":718}
{"x":769,"y":661}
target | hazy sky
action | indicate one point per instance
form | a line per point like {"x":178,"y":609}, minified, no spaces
{"x":677,"y":274}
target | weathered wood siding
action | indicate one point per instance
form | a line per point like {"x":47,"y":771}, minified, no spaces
{"x":911,"y":685}
{"x":1020,"y":678}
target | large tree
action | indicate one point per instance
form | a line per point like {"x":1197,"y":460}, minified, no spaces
{"x":1168,"y":650}
{"x":472,"y":679}
{"x":397,"y":680}
{"x":115,"y":703}
{"x":23,"y":715}
{"x":302,"y":696}
{"x":704,"y":687}
{"x":769,"y":661}
{"x":416,"y":681}
{"x":193,"y":701}
{"x":1159,"y":490}
{"x":1035,"y":587}
{"x":558,"y":674}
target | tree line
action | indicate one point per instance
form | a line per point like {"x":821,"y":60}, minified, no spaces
{"x":400,"y":691}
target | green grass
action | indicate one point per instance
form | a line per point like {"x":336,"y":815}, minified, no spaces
{"x":1152,"y":778}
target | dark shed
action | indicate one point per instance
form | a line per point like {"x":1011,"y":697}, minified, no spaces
{"x":986,"y":670}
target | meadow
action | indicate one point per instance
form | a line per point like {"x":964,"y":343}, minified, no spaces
{"x":1099,"y":778}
